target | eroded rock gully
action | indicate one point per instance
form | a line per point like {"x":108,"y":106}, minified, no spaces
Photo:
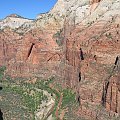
{"x":111,"y":93}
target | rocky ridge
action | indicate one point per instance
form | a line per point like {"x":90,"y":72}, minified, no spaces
{"x":13,"y":21}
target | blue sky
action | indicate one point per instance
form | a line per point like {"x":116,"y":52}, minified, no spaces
{"x":25,"y":8}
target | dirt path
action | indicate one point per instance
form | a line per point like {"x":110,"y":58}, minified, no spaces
{"x":59,"y":106}
{"x":59,"y":103}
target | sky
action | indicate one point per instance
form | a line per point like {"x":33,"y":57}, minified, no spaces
{"x":25,"y":8}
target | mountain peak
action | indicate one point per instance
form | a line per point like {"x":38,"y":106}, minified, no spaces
{"x":14,"y":16}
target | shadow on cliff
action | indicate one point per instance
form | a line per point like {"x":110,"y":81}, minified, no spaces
{"x":1,"y":115}
{"x":1,"y":88}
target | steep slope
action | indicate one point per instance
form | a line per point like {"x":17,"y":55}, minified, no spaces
{"x":79,"y":42}
{"x":92,"y":67}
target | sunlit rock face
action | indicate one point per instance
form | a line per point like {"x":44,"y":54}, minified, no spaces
{"x":94,"y":78}
{"x":77,"y":40}
{"x":29,"y":54}
{"x":13,"y":21}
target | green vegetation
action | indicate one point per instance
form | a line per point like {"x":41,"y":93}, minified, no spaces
{"x":68,"y":98}
{"x":60,"y":41}
{"x":109,"y":36}
{"x":95,"y":37}
{"x":89,"y":24}
{"x":25,"y":98}
{"x":30,"y":97}
{"x":44,"y":85}
{"x":2,"y":69}
{"x":59,"y":37}
{"x":57,"y":34}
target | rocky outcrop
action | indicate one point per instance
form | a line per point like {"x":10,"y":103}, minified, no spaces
{"x":45,"y":110}
{"x":13,"y":21}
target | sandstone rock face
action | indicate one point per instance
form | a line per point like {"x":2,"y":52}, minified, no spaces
{"x":79,"y":42}
{"x":13,"y":21}
{"x":87,"y":72}
{"x":31,"y":54}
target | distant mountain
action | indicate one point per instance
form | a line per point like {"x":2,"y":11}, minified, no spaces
{"x":13,"y":21}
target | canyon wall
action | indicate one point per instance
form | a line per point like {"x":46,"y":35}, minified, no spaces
{"x":92,"y":61}
{"x":79,"y":42}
